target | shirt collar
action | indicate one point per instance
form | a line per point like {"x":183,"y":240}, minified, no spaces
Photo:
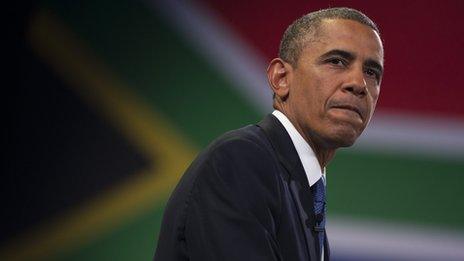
{"x":305,"y":152}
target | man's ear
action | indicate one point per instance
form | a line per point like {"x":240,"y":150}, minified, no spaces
{"x":278,"y":76}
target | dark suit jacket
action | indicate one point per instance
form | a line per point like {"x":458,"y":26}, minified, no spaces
{"x":245,"y":197}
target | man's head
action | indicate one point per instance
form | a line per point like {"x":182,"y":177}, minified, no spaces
{"x":327,"y":79}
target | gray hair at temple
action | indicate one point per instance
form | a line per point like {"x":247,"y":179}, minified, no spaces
{"x":296,"y":35}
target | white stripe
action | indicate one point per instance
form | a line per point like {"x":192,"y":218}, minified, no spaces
{"x":368,"y":240}
{"x":413,"y":134}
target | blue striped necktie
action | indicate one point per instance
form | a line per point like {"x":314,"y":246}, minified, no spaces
{"x":318,"y":191}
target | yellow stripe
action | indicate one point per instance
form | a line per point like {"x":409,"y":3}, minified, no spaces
{"x":149,"y":131}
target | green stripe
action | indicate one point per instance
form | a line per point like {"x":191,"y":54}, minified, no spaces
{"x":399,"y":188}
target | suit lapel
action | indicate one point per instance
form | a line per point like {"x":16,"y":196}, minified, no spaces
{"x":298,"y":181}
{"x":284,"y":148}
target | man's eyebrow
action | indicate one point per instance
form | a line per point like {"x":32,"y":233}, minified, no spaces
{"x":336,"y":52}
{"x":371,"y":63}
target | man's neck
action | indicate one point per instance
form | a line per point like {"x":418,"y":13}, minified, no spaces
{"x":323,"y":152}
{"x":324,"y":155}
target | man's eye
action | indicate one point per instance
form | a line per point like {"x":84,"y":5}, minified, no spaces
{"x":372,"y":73}
{"x":337,"y":61}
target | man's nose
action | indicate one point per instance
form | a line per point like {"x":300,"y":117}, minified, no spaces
{"x":356,"y":83}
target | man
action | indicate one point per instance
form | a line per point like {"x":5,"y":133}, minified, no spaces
{"x":258,"y":193}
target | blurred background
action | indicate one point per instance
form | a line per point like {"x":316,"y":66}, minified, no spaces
{"x":113,"y":99}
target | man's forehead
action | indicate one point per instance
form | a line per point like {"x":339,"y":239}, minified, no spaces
{"x":350,"y":35}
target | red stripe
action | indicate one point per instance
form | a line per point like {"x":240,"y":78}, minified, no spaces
{"x":423,"y":41}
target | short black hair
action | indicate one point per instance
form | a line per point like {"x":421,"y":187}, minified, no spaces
{"x":293,"y":39}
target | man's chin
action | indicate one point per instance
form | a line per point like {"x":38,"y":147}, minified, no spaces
{"x":344,"y":137}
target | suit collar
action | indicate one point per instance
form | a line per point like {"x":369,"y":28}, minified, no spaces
{"x":284,"y":148}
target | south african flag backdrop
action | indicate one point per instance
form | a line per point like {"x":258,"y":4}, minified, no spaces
{"x":113,"y":99}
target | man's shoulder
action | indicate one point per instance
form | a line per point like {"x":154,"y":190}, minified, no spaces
{"x":244,"y":161}
{"x":244,"y":154}
{"x":246,"y":140}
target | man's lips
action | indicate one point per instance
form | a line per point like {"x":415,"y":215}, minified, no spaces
{"x":350,"y":107}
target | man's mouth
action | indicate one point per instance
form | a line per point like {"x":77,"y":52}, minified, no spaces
{"x":350,"y":108}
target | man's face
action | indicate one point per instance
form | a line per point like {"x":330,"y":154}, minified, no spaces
{"x":335,"y":84}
